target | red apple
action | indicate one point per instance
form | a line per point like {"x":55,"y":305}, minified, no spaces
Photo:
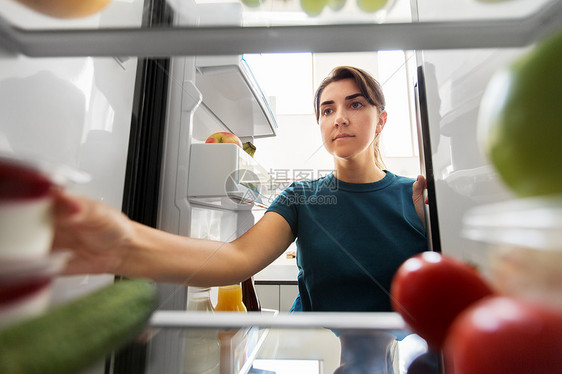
{"x":224,"y":137}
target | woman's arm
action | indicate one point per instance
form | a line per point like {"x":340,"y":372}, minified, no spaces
{"x":104,"y":240}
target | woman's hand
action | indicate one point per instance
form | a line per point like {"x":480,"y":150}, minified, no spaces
{"x":97,"y":234}
{"x":417,"y":196}
{"x":104,"y":240}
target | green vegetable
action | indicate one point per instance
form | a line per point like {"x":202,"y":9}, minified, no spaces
{"x":520,"y":121}
{"x":76,"y":335}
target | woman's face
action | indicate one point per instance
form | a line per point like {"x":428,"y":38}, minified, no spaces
{"x":348,"y":123}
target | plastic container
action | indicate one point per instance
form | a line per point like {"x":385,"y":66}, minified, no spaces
{"x":201,"y":346}
{"x":26,"y":227}
{"x":525,"y":241}
{"x":26,"y":198}
{"x":25,"y":286}
{"x":199,"y":299}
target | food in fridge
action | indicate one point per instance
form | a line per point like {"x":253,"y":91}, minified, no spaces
{"x":224,"y":137}
{"x":252,"y":3}
{"x":313,"y":8}
{"x":429,"y":290}
{"x":371,"y":6}
{"x":520,"y":121}
{"x":230,"y":299}
{"x":336,"y":5}
{"x":25,"y":286}
{"x":249,"y":147}
{"x":77,"y":334}
{"x":505,"y":335}
{"x":66,"y":8}
{"x":26,"y":226}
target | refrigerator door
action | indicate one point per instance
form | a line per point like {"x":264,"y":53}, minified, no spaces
{"x":76,"y":113}
{"x":450,"y":86}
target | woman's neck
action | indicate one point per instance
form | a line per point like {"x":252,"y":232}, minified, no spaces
{"x":358,"y":171}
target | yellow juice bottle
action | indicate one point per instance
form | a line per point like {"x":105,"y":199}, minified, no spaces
{"x":230,"y":299}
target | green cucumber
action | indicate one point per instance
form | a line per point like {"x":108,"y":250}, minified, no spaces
{"x":76,"y":335}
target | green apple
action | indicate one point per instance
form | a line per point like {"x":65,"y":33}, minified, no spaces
{"x":313,"y":7}
{"x":336,"y":5}
{"x":252,"y":3}
{"x":520,"y":121}
{"x":371,"y":6}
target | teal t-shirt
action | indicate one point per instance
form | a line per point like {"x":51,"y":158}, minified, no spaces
{"x":351,"y":238}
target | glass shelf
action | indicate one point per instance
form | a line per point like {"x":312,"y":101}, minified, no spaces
{"x":360,"y":342}
{"x":230,"y":27}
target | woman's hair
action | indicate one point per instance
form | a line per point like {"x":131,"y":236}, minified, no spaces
{"x":369,"y":87}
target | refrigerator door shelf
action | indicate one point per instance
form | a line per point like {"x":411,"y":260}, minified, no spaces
{"x":239,"y":346}
{"x":533,"y":222}
{"x":524,"y":237}
{"x":223,"y":175}
{"x":232,"y":93}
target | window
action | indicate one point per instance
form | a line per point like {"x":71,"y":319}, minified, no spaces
{"x":289,"y":80}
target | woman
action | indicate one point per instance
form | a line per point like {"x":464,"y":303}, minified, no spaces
{"x":353,"y":227}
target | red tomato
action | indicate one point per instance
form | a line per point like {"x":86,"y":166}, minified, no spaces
{"x":504,"y":335}
{"x":429,"y":290}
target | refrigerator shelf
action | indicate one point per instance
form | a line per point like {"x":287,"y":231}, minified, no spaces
{"x":374,"y":338}
{"x":233,"y":96}
{"x":463,"y":27}
{"x":380,"y":321}
{"x":222,"y":175}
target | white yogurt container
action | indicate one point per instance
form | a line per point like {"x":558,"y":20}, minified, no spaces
{"x":525,"y":240}
{"x":25,"y":286}
{"x":26,"y":225}
{"x":26,"y":228}
{"x":26,"y":199}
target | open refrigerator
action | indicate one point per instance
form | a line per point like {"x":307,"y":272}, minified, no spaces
{"x":129,"y":95}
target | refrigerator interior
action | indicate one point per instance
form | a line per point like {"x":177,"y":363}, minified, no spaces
{"x":73,"y":102}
